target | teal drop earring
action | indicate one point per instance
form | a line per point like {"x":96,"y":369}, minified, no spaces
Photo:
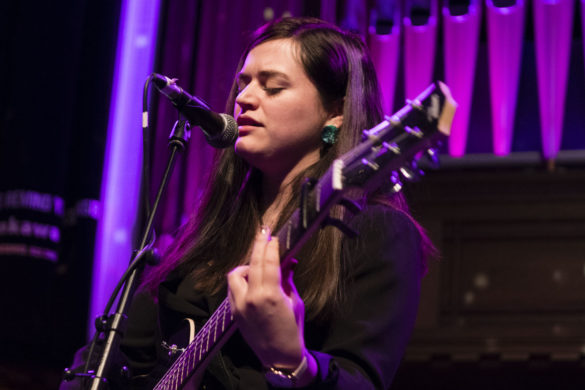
{"x":329,"y":134}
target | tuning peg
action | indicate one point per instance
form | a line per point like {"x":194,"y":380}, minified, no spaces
{"x":432,"y":156}
{"x":414,"y":131}
{"x":415,"y":103}
{"x":411,"y":173}
{"x":393,"y":147}
{"x":394,"y":120}
{"x":395,"y":182}
{"x":374,"y":166}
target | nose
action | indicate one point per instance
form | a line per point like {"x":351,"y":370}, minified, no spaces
{"x":247,"y":99}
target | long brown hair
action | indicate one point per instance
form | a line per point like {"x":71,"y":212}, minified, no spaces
{"x":218,"y":236}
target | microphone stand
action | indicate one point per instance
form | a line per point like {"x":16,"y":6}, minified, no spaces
{"x":114,"y":325}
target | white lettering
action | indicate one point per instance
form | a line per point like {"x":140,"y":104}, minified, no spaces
{"x":13,"y":249}
{"x":12,"y":225}
{"x":42,"y":253}
{"x":25,"y":250}
{"x":54,"y":234}
{"x":58,"y":206}
{"x":25,"y":228}
{"x":32,"y":200}
{"x":41,"y":230}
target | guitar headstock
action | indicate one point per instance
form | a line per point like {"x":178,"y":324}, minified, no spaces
{"x":391,"y":149}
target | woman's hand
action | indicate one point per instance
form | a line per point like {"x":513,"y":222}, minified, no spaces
{"x":267,"y":307}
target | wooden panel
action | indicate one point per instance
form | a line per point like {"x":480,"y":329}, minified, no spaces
{"x":511,"y":279}
{"x":520,"y":267}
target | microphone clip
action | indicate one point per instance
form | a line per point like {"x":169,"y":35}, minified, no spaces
{"x":180,"y":134}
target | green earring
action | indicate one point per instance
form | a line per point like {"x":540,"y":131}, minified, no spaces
{"x":329,"y":134}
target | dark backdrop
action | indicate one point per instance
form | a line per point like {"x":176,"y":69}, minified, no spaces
{"x":56,"y":59}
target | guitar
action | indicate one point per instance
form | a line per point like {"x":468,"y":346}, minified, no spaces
{"x":392,"y":146}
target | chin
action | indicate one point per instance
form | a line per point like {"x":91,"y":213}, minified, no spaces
{"x":245,"y":151}
{"x":254,"y":156}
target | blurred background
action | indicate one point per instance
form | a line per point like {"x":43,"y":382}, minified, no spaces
{"x":503,"y":307}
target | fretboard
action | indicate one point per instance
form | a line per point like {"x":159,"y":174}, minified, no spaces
{"x":215,"y":330}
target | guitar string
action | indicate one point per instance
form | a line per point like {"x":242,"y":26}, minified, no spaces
{"x":177,"y":369}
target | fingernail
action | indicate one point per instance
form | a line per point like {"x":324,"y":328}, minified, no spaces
{"x":266,"y":231}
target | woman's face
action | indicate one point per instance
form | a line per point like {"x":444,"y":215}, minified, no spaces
{"x":278,"y":110}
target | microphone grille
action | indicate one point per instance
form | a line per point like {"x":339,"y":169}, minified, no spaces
{"x":228,"y":135}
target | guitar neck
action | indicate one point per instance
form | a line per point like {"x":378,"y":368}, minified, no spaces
{"x":220,"y":325}
{"x":386,"y":148}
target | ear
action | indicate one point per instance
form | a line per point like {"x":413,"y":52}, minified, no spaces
{"x":335,"y":117}
{"x":335,"y":120}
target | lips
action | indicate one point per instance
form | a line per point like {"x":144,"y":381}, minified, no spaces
{"x":247,"y":121}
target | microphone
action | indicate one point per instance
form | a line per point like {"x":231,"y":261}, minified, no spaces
{"x":220,"y":130}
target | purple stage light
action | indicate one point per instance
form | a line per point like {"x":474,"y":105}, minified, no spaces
{"x":553,"y":23}
{"x":419,"y":53}
{"x":384,"y":51}
{"x":121,"y":174}
{"x":583,"y":23}
{"x":505,"y":28}
{"x":461,"y":34}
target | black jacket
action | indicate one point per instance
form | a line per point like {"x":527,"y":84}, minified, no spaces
{"x":360,"y":347}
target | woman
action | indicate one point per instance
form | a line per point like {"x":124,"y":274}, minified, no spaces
{"x":303,"y":92}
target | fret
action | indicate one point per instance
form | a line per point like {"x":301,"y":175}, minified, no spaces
{"x":318,"y":196}
{"x":185,"y":365}
{"x":214,"y":329}
{"x":178,"y":372}
{"x":186,"y":362}
{"x":173,"y":383}
{"x":222,"y":320}
{"x":191,"y":358}
{"x":207,"y":342}
{"x":288,"y":233}
{"x":181,"y":370}
{"x":169,"y":383}
{"x":198,"y":343}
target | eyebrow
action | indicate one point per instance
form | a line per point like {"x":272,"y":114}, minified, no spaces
{"x":265,"y":74}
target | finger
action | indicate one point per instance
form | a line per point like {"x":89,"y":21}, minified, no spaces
{"x":257,"y":257}
{"x":271,"y":264}
{"x":237,"y":287}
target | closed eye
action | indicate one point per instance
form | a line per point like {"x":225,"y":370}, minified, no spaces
{"x":272,"y":91}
